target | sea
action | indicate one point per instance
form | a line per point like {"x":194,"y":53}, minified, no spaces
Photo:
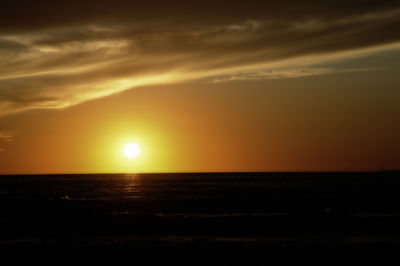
{"x":210,"y":212}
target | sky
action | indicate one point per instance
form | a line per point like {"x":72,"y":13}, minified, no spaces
{"x":199,"y":86}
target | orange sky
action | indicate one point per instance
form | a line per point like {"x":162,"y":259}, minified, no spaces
{"x":253,"y":89}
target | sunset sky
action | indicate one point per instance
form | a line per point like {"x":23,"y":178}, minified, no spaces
{"x":199,"y":86}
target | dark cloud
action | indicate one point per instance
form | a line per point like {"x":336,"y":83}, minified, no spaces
{"x":59,"y":53}
{"x":8,"y":48}
{"x":29,"y":15}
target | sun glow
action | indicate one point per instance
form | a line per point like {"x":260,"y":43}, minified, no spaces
{"x":131,"y":150}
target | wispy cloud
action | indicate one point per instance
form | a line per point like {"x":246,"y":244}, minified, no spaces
{"x":54,"y":61}
{"x":6,"y":136}
{"x":287,"y":73}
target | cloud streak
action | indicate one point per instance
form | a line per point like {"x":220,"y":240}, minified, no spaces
{"x":288,"y":73}
{"x":102,"y":48}
{"x":5,"y":137}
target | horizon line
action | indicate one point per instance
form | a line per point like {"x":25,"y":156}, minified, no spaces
{"x":200,"y":172}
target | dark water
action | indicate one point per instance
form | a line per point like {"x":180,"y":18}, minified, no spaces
{"x":229,"y":211}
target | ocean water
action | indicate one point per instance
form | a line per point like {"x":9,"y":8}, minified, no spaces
{"x":201,"y":210}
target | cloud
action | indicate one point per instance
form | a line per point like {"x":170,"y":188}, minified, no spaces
{"x":287,"y":73}
{"x":25,"y":15}
{"x":6,"y":136}
{"x":71,"y":53}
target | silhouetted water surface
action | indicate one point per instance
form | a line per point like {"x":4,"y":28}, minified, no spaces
{"x":204,"y":210}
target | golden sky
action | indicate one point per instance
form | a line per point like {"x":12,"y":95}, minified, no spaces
{"x":228,"y":86}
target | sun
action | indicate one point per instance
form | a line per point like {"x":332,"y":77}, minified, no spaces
{"x":131,"y":150}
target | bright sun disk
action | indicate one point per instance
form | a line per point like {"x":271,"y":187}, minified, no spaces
{"x":131,"y":150}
